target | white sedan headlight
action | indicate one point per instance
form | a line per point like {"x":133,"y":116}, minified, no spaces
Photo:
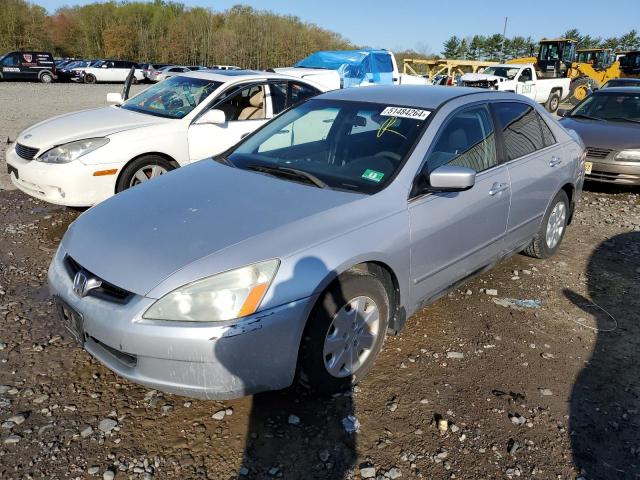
{"x":225,"y":296}
{"x":71,"y":151}
{"x":629,"y":155}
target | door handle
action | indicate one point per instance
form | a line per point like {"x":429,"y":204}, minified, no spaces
{"x":497,"y":188}
{"x":554,"y":161}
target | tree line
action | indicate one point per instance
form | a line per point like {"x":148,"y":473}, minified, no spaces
{"x":496,"y":47}
{"x":164,"y":31}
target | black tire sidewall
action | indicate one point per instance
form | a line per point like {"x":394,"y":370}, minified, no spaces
{"x":561,"y":196}
{"x":125,"y":177}
{"x":554,"y":97}
{"x":312,"y":370}
{"x":90,"y":78}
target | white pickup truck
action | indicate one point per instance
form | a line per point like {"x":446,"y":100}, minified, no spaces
{"x":520,"y":78}
{"x":351,"y":68}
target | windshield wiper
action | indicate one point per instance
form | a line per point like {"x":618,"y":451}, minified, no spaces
{"x":582,"y":115}
{"x":622,"y":119}
{"x":224,"y":160}
{"x":289,"y":172}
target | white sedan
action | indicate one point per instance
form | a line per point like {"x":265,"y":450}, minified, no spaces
{"x":110,"y":71}
{"x":82,"y":158}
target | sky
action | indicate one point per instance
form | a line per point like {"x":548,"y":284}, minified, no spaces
{"x":426,"y":24}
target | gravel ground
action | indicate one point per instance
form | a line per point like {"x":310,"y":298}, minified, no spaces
{"x":473,"y":387}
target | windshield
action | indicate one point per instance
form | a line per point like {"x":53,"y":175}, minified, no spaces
{"x":610,"y":106}
{"x":505,"y":72}
{"x":353,"y":146}
{"x":175,"y":97}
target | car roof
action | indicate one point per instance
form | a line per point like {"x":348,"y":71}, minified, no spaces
{"x":229,"y":75}
{"x":423,"y":96}
{"x":608,"y":90}
{"x":624,"y":80}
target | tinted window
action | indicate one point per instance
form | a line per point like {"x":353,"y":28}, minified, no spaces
{"x":286,"y":94}
{"x":521,"y":129}
{"x":607,"y":105}
{"x":466,"y":140}
{"x":300,"y":92}
{"x":547,"y":134}
{"x":11,"y":61}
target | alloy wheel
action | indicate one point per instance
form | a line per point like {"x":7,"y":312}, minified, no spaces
{"x":556,"y":224}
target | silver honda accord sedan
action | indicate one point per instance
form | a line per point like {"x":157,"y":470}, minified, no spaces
{"x":294,"y":253}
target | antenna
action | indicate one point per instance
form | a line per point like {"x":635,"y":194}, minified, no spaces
{"x":504,"y":34}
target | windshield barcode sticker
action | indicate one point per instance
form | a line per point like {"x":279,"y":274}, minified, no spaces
{"x":403,"y":112}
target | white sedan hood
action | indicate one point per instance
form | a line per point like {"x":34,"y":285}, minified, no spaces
{"x":97,"y":122}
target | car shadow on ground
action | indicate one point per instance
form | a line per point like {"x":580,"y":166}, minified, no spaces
{"x":297,"y":432}
{"x":605,"y":401}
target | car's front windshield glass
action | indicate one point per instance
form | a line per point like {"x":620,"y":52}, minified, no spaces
{"x":610,"y":106}
{"x":175,"y":97}
{"x":505,"y":72}
{"x":355,"y":146}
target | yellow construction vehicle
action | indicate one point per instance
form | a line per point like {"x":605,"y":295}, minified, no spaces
{"x":588,"y":69}
{"x":444,"y":70}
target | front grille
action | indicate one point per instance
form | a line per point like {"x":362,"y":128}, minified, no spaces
{"x":598,"y":152}
{"x":28,"y":153}
{"x":106,"y":291}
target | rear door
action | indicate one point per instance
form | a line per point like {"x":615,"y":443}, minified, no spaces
{"x":533,"y":159}
{"x":456,"y":234}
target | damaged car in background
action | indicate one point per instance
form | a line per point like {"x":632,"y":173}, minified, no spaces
{"x":295,"y":251}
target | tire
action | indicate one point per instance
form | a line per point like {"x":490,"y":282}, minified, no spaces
{"x":150,"y":166}
{"x":578,"y":89}
{"x":322,"y":336}
{"x":134,"y":80}
{"x":553,"y":102}
{"x":543,"y":245}
{"x":90,"y":78}
{"x":46,"y":77}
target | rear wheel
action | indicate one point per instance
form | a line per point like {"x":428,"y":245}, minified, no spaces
{"x":580,"y":89}
{"x":551,"y":232}
{"x":553,"y":102}
{"x":46,"y":77}
{"x":142,"y":169}
{"x":134,"y":80}
{"x":345,"y":333}
{"x":89,"y":78}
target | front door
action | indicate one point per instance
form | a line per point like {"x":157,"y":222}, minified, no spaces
{"x":246,"y":110}
{"x":11,"y":66}
{"x":453,"y":235}
{"x":526,"y":86}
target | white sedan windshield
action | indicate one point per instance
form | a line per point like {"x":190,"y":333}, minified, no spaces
{"x":175,"y":97}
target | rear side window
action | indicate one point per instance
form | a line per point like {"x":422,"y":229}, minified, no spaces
{"x":522,"y":129}
{"x":466,"y":140}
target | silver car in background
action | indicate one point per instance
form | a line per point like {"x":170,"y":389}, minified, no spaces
{"x":296,"y":251}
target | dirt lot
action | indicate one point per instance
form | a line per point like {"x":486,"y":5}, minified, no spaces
{"x":549,"y":392}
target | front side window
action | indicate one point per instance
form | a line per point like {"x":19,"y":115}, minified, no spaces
{"x":246,"y":104}
{"x":11,"y":61}
{"x":355,"y":146}
{"x":466,"y":140}
{"x":526,"y":75}
{"x":175,"y":97}
{"x":521,"y":129}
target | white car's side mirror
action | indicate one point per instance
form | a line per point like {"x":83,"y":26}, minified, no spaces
{"x":216,"y":117}
{"x":115,"y":98}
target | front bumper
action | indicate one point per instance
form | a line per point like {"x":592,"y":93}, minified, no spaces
{"x":70,"y":184}
{"x":209,"y":361}
{"x":625,"y":173}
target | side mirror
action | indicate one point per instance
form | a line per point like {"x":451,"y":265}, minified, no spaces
{"x":216,"y":117}
{"x":562,"y":112}
{"x":115,"y":98}
{"x":450,"y":178}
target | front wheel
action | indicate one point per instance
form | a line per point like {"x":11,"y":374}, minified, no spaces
{"x":552,"y":230}
{"x":142,"y":169}
{"x":344,"y":333}
{"x":90,"y":78}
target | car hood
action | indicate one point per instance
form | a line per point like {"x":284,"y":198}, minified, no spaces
{"x":476,"y":77}
{"x":141,"y":236}
{"x":603,"y":134}
{"x":97,"y":122}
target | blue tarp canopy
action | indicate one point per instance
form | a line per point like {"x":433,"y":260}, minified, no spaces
{"x":354,"y":66}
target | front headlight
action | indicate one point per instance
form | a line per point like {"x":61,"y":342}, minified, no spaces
{"x":629,"y":155}
{"x":71,"y":151}
{"x":233,"y":294}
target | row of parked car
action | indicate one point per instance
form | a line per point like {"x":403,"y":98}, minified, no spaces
{"x":303,"y":217}
{"x":41,"y":66}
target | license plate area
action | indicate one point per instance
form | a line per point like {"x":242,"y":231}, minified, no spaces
{"x":71,"y":320}
{"x":587,"y":168}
